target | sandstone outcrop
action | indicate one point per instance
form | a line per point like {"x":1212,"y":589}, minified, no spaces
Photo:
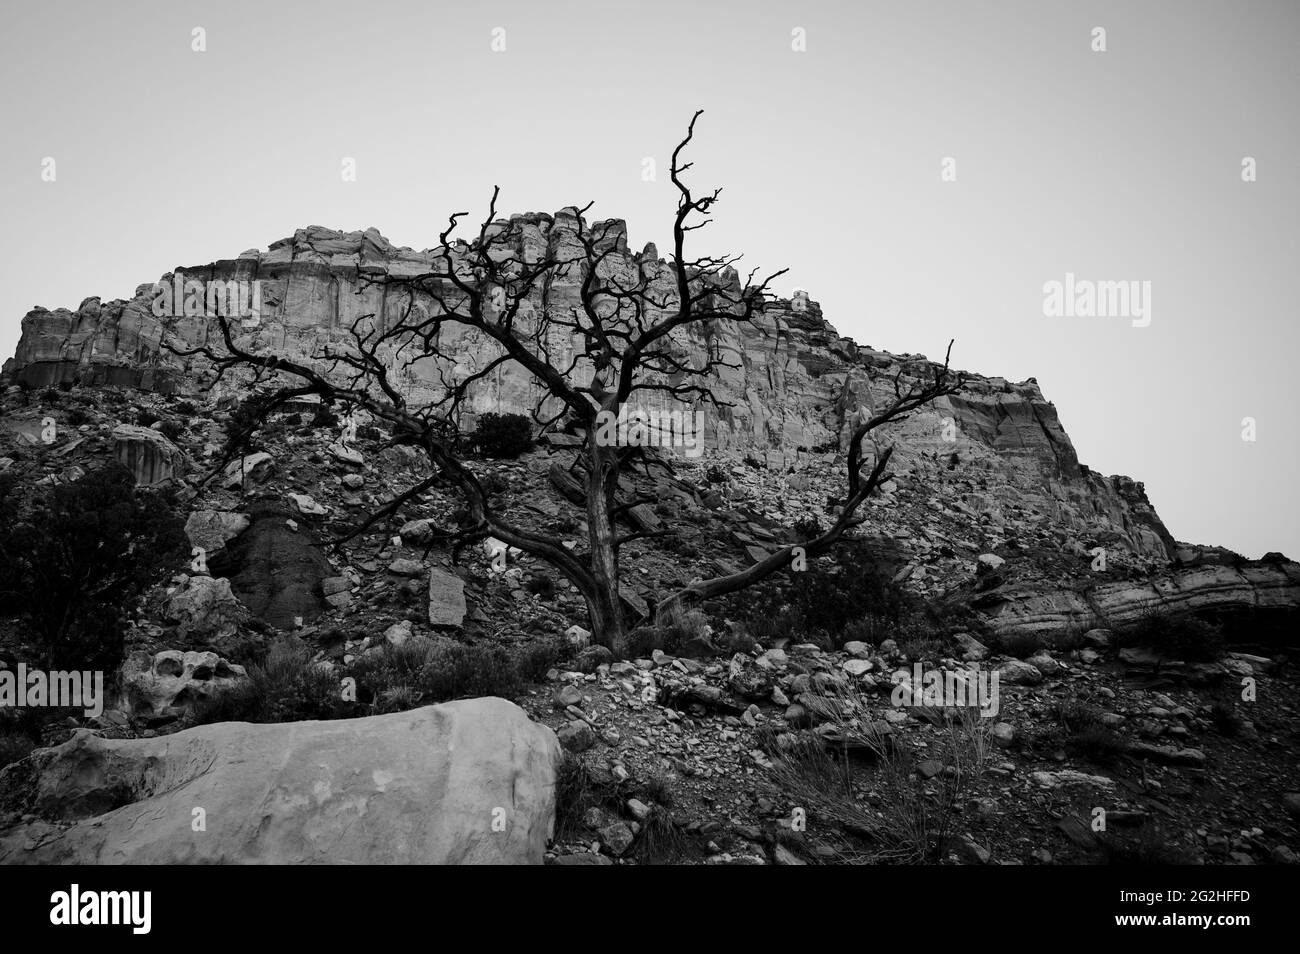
{"x":1203,"y":591}
{"x":468,"y":782}
{"x":149,"y":455}
{"x":797,"y":391}
{"x":173,"y":679}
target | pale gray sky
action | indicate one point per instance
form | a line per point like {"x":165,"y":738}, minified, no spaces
{"x":1122,"y":165}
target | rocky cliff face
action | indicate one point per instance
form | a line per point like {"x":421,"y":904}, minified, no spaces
{"x":796,"y":394}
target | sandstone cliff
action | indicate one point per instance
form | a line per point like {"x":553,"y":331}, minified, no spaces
{"x":799,"y":389}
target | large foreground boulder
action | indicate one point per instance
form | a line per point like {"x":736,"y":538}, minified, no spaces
{"x":469,"y":782}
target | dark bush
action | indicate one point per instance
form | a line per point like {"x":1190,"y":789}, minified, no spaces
{"x":1081,"y":728}
{"x":422,"y":673}
{"x":535,"y":660}
{"x":579,"y":788}
{"x":325,"y":418}
{"x":851,"y":585}
{"x":1017,"y":645}
{"x":542,"y":587}
{"x":244,"y":422}
{"x":808,"y":528}
{"x":84,"y":552}
{"x":716,"y":475}
{"x":284,"y":687}
{"x":503,"y":435}
{"x":172,"y":430}
{"x":1176,"y":636}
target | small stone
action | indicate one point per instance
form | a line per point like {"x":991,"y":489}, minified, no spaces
{"x":1017,"y":673}
{"x":307,"y":505}
{"x":566,"y":696}
{"x":617,"y":838}
{"x":856,"y":667}
{"x":929,"y":768}
{"x":1004,"y":734}
{"x":1098,"y":638}
{"x":972,"y":649}
{"x":398,"y":633}
{"x":576,"y":736}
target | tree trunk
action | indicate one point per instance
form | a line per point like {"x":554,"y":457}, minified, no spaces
{"x":604,"y":605}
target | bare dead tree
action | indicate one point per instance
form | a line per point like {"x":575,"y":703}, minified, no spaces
{"x":628,"y":321}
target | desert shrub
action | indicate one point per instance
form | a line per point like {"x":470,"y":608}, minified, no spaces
{"x":661,"y":840}
{"x":1080,"y":728}
{"x":172,"y":430}
{"x":540,"y":586}
{"x":1069,"y":639}
{"x":244,"y":422}
{"x":80,"y":557}
{"x":186,"y":408}
{"x":368,"y":432}
{"x":50,"y":396}
{"x":714,"y":474}
{"x":899,"y":816}
{"x":564,"y":524}
{"x":1176,"y":636}
{"x":493,"y":483}
{"x":643,"y":641}
{"x":324,"y":418}
{"x":14,"y":748}
{"x":867,"y":630}
{"x":579,"y":788}
{"x":535,"y":660}
{"x":807,"y":528}
{"x":921,"y":647}
{"x":659,"y":789}
{"x":291,"y":687}
{"x":502,"y":435}
{"x":1224,"y":718}
{"x":848,"y":586}
{"x":1018,"y":645}
{"x":20,"y":732}
{"x":420,"y":673}
{"x":286,"y":686}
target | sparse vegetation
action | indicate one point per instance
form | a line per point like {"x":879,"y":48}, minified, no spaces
{"x":73,"y":563}
{"x":503,"y":435}
{"x":1176,"y":636}
{"x":578,"y":789}
{"x":285,"y":687}
{"x":849,"y":594}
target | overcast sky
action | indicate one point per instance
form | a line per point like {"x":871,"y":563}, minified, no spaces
{"x":1122,"y":165}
